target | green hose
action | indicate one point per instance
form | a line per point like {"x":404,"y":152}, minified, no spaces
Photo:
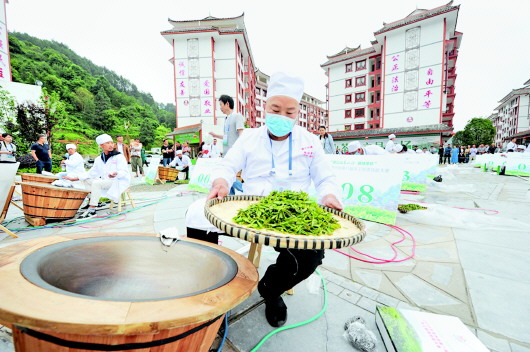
{"x":273,"y":332}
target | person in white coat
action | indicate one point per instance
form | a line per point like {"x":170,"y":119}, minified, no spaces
{"x":371,"y":149}
{"x":390,"y":144}
{"x":74,"y":167}
{"x":109,"y":176}
{"x":277,"y":156}
{"x":181,"y":162}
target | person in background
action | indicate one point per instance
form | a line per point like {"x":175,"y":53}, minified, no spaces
{"x":8,"y":151}
{"x":178,"y":146}
{"x":167,"y":152}
{"x":466,"y":153}
{"x":199,"y":150}
{"x":143,"y":155}
{"x":371,"y":149}
{"x":433,"y":150}
{"x":215,"y":151}
{"x":186,"y":150}
{"x":122,"y":148}
{"x":234,"y":124}
{"x":136,"y":157}
{"x":326,"y":140}
{"x":473,"y":153}
{"x":482,"y":149}
{"x":73,"y":166}
{"x":182,"y":163}
{"x":425,"y":151}
{"x":491,"y":149}
{"x":391,"y":143}
{"x":498,"y":149}
{"x":414,"y":148}
{"x":454,"y":154}
{"x":512,"y":145}
{"x":42,"y":154}
{"x":521,"y":148}
{"x":447,"y":154}
{"x":461,"y":154}
{"x":440,"y":154}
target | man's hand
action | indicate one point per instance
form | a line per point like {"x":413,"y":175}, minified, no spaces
{"x":219,"y":189}
{"x":70,"y":178}
{"x":331,"y":201}
{"x":113,"y":174}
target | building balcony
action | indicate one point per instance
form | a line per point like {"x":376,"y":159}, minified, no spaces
{"x":374,"y":89}
{"x":375,"y":71}
{"x":374,"y":121}
{"x":377,"y":104}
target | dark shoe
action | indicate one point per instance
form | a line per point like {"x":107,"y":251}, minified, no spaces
{"x":275,"y":312}
{"x":88,"y":214}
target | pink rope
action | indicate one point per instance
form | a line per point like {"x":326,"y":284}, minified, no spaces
{"x":110,"y":223}
{"x":376,"y":260}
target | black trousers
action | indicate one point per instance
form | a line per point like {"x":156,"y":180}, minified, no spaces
{"x":292,"y":265}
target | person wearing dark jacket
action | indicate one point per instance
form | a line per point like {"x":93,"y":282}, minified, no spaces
{"x":447,"y":154}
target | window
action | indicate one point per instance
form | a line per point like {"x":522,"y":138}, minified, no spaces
{"x":360,"y":65}
{"x":347,"y":127}
{"x":360,"y":97}
{"x":258,"y":113}
{"x":347,"y":98}
{"x":349,"y":67}
{"x":348,"y":83}
{"x":258,"y":102}
{"x":359,"y":126}
{"x":258,"y":92}
{"x":360,"y":81}
{"x":359,"y":112}
{"x":347,"y":113}
{"x":264,"y":93}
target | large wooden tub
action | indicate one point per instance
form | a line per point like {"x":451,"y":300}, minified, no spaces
{"x":38,"y":178}
{"x":46,"y":201}
{"x":126,"y":292}
{"x":167,"y":173}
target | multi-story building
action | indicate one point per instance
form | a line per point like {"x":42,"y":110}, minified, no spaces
{"x":211,"y":57}
{"x":403,"y":84}
{"x":512,"y":116}
{"x":312,"y":110}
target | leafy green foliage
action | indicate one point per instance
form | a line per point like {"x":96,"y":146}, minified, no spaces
{"x":82,"y":99}
{"x":477,"y":131}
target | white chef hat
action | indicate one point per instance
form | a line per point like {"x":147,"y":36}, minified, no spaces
{"x":71,"y":146}
{"x":353,"y":146}
{"x":103,"y":138}
{"x":283,"y":84}
{"x":179,"y":151}
{"x":398,"y":148}
{"x":521,"y":146}
{"x":392,"y":136}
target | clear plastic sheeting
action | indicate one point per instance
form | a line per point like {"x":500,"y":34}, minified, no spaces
{"x":475,"y":219}
{"x":449,"y":188}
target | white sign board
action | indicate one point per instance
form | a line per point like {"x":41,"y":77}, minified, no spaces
{"x":201,"y":176}
{"x":416,"y":169}
{"x":518,"y":164}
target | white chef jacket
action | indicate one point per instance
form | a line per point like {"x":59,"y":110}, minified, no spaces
{"x":511,"y":145}
{"x":75,"y":167}
{"x":179,"y":164}
{"x":215,"y":150}
{"x":373,"y":149}
{"x":390,"y":146}
{"x":120,"y":183}
{"x":252,"y":153}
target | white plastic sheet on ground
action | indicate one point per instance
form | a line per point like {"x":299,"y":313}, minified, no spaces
{"x":448,"y":188}
{"x":441,"y":215}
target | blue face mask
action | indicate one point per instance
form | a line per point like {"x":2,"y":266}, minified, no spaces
{"x":279,"y":125}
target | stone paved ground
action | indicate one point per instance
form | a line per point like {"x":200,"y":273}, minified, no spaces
{"x":467,"y":263}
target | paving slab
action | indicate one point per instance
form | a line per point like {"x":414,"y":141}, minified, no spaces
{"x":496,"y":344}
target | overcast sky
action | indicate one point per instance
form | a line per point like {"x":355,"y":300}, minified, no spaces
{"x":290,"y":36}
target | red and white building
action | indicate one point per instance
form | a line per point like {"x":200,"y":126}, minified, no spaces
{"x":211,"y":57}
{"x":512,"y":116}
{"x":403,"y":84}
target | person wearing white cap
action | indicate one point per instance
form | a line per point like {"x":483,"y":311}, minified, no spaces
{"x":278,"y":156}
{"x":398,"y":148}
{"x":390,"y":144}
{"x":512,"y":146}
{"x":109,"y":176}
{"x":74,"y":168}
{"x":371,"y":149}
{"x":181,"y":162}
{"x":521,"y":148}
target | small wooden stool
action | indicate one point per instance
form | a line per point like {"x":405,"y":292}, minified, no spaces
{"x":123,"y":200}
{"x":254,"y":255}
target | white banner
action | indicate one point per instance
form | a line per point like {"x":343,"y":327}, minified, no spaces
{"x":370,"y":184}
{"x":201,"y":175}
{"x":416,"y":169}
{"x":518,"y":164}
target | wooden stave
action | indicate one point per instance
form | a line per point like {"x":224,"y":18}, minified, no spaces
{"x":38,"y":178}
{"x":38,"y":203}
{"x":167,"y":173}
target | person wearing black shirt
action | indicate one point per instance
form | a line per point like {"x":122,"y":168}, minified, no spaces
{"x":167,"y":153}
{"x":42,"y":154}
{"x":441,"y":154}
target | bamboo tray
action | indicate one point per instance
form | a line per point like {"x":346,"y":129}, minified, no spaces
{"x":221,"y":212}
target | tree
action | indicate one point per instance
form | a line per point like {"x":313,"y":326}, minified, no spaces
{"x":479,"y":131}
{"x":458,"y":139}
{"x":148,"y":131}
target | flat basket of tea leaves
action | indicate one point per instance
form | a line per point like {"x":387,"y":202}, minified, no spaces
{"x":284,"y":220}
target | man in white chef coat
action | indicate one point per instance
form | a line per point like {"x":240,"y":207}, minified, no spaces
{"x":278,"y":156}
{"x":371,"y":149}
{"x":390,"y":144}
{"x":181,"y":162}
{"x":74,"y":166}
{"x":109,"y":176}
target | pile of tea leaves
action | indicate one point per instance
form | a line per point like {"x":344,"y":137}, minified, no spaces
{"x":288,"y":212}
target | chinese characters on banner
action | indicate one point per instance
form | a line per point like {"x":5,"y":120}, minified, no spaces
{"x":181,"y":69}
{"x":207,"y":99}
{"x":429,"y":82}
{"x":394,"y":73}
{"x":5,"y":69}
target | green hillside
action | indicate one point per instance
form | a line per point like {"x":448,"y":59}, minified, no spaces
{"x":92,"y":99}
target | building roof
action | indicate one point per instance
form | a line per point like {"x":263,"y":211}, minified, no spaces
{"x":346,"y":50}
{"x":520,"y":134}
{"x":527,"y":83}
{"x":186,"y":129}
{"x":207,"y":19}
{"x":417,"y":15}
{"x":511,"y":94}
{"x":346,"y":55}
{"x":437,"y":128}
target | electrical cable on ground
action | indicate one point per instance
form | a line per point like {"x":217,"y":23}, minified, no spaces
{"x":305,"y":322}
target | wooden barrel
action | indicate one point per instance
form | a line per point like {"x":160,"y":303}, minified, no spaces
{"x":28,"y":177}
{"x":47,"y":321}
{"x":45,"y":201}
{"x":167,"y":173}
